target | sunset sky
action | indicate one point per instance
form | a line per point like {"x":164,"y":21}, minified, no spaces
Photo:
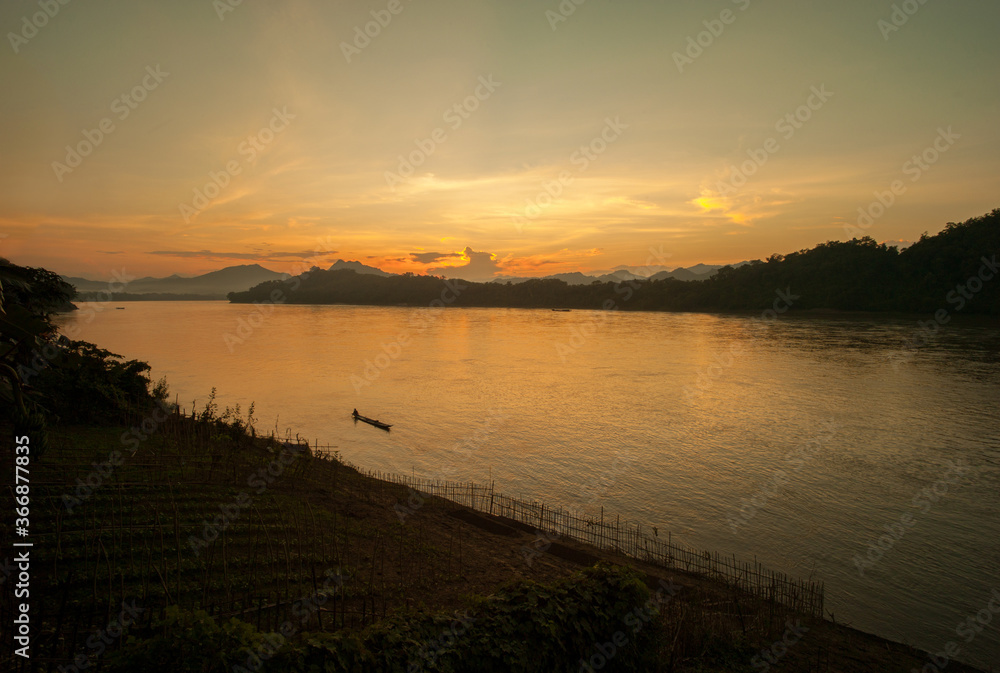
{"x":431,"y":145}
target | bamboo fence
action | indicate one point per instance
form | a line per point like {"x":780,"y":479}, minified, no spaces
{"x":626,"y":538}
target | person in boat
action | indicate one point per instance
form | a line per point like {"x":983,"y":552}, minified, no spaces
{"x":355,"y":413}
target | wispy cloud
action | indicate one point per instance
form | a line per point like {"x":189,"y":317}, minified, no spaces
{"x":263,"y":256}
{"x":432,"y":257}
{"x":745,"y":208}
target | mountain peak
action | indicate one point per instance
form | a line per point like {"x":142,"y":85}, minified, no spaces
{"x":214,"y":283}
{"x":358,"y":267}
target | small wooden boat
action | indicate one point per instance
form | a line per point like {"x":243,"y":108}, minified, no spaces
{"x":563,"y":310}
{"x":371,"y":421}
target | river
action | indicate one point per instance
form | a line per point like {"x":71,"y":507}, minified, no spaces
{"x":800,"y":441}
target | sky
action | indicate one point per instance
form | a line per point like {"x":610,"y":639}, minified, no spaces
{"x":481,"y":138}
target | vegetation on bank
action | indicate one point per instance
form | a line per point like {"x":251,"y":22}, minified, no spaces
{"x":49,"y":378}
{"x":522,"y":627}
{"x":858,"y":275}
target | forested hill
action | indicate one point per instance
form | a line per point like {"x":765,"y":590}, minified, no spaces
{"x":954,"y":270}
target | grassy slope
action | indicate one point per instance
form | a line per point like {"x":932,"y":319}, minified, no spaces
{"x":131,"y":539}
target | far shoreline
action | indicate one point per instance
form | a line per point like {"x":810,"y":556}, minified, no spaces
{"x":985,"y":319}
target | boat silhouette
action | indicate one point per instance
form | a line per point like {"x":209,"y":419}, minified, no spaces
{"x":370,"y":421}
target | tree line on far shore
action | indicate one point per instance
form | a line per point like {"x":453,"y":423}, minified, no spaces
{"x":953,"y":270}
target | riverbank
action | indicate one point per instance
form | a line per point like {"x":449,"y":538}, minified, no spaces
{"x":198,"y":515}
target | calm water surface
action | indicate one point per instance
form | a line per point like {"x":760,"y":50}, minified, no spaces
{"x":674,"y":420}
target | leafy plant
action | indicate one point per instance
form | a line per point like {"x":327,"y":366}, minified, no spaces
{"x":89,"y":384}
{"x":28,"y":296}
{"x":188,"y":642}
{"x":526,"y":627}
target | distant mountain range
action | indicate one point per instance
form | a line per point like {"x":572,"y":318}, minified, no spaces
{"x":213,"y":285}
{"x":218,"y":284}
{"x":622,"y":274}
